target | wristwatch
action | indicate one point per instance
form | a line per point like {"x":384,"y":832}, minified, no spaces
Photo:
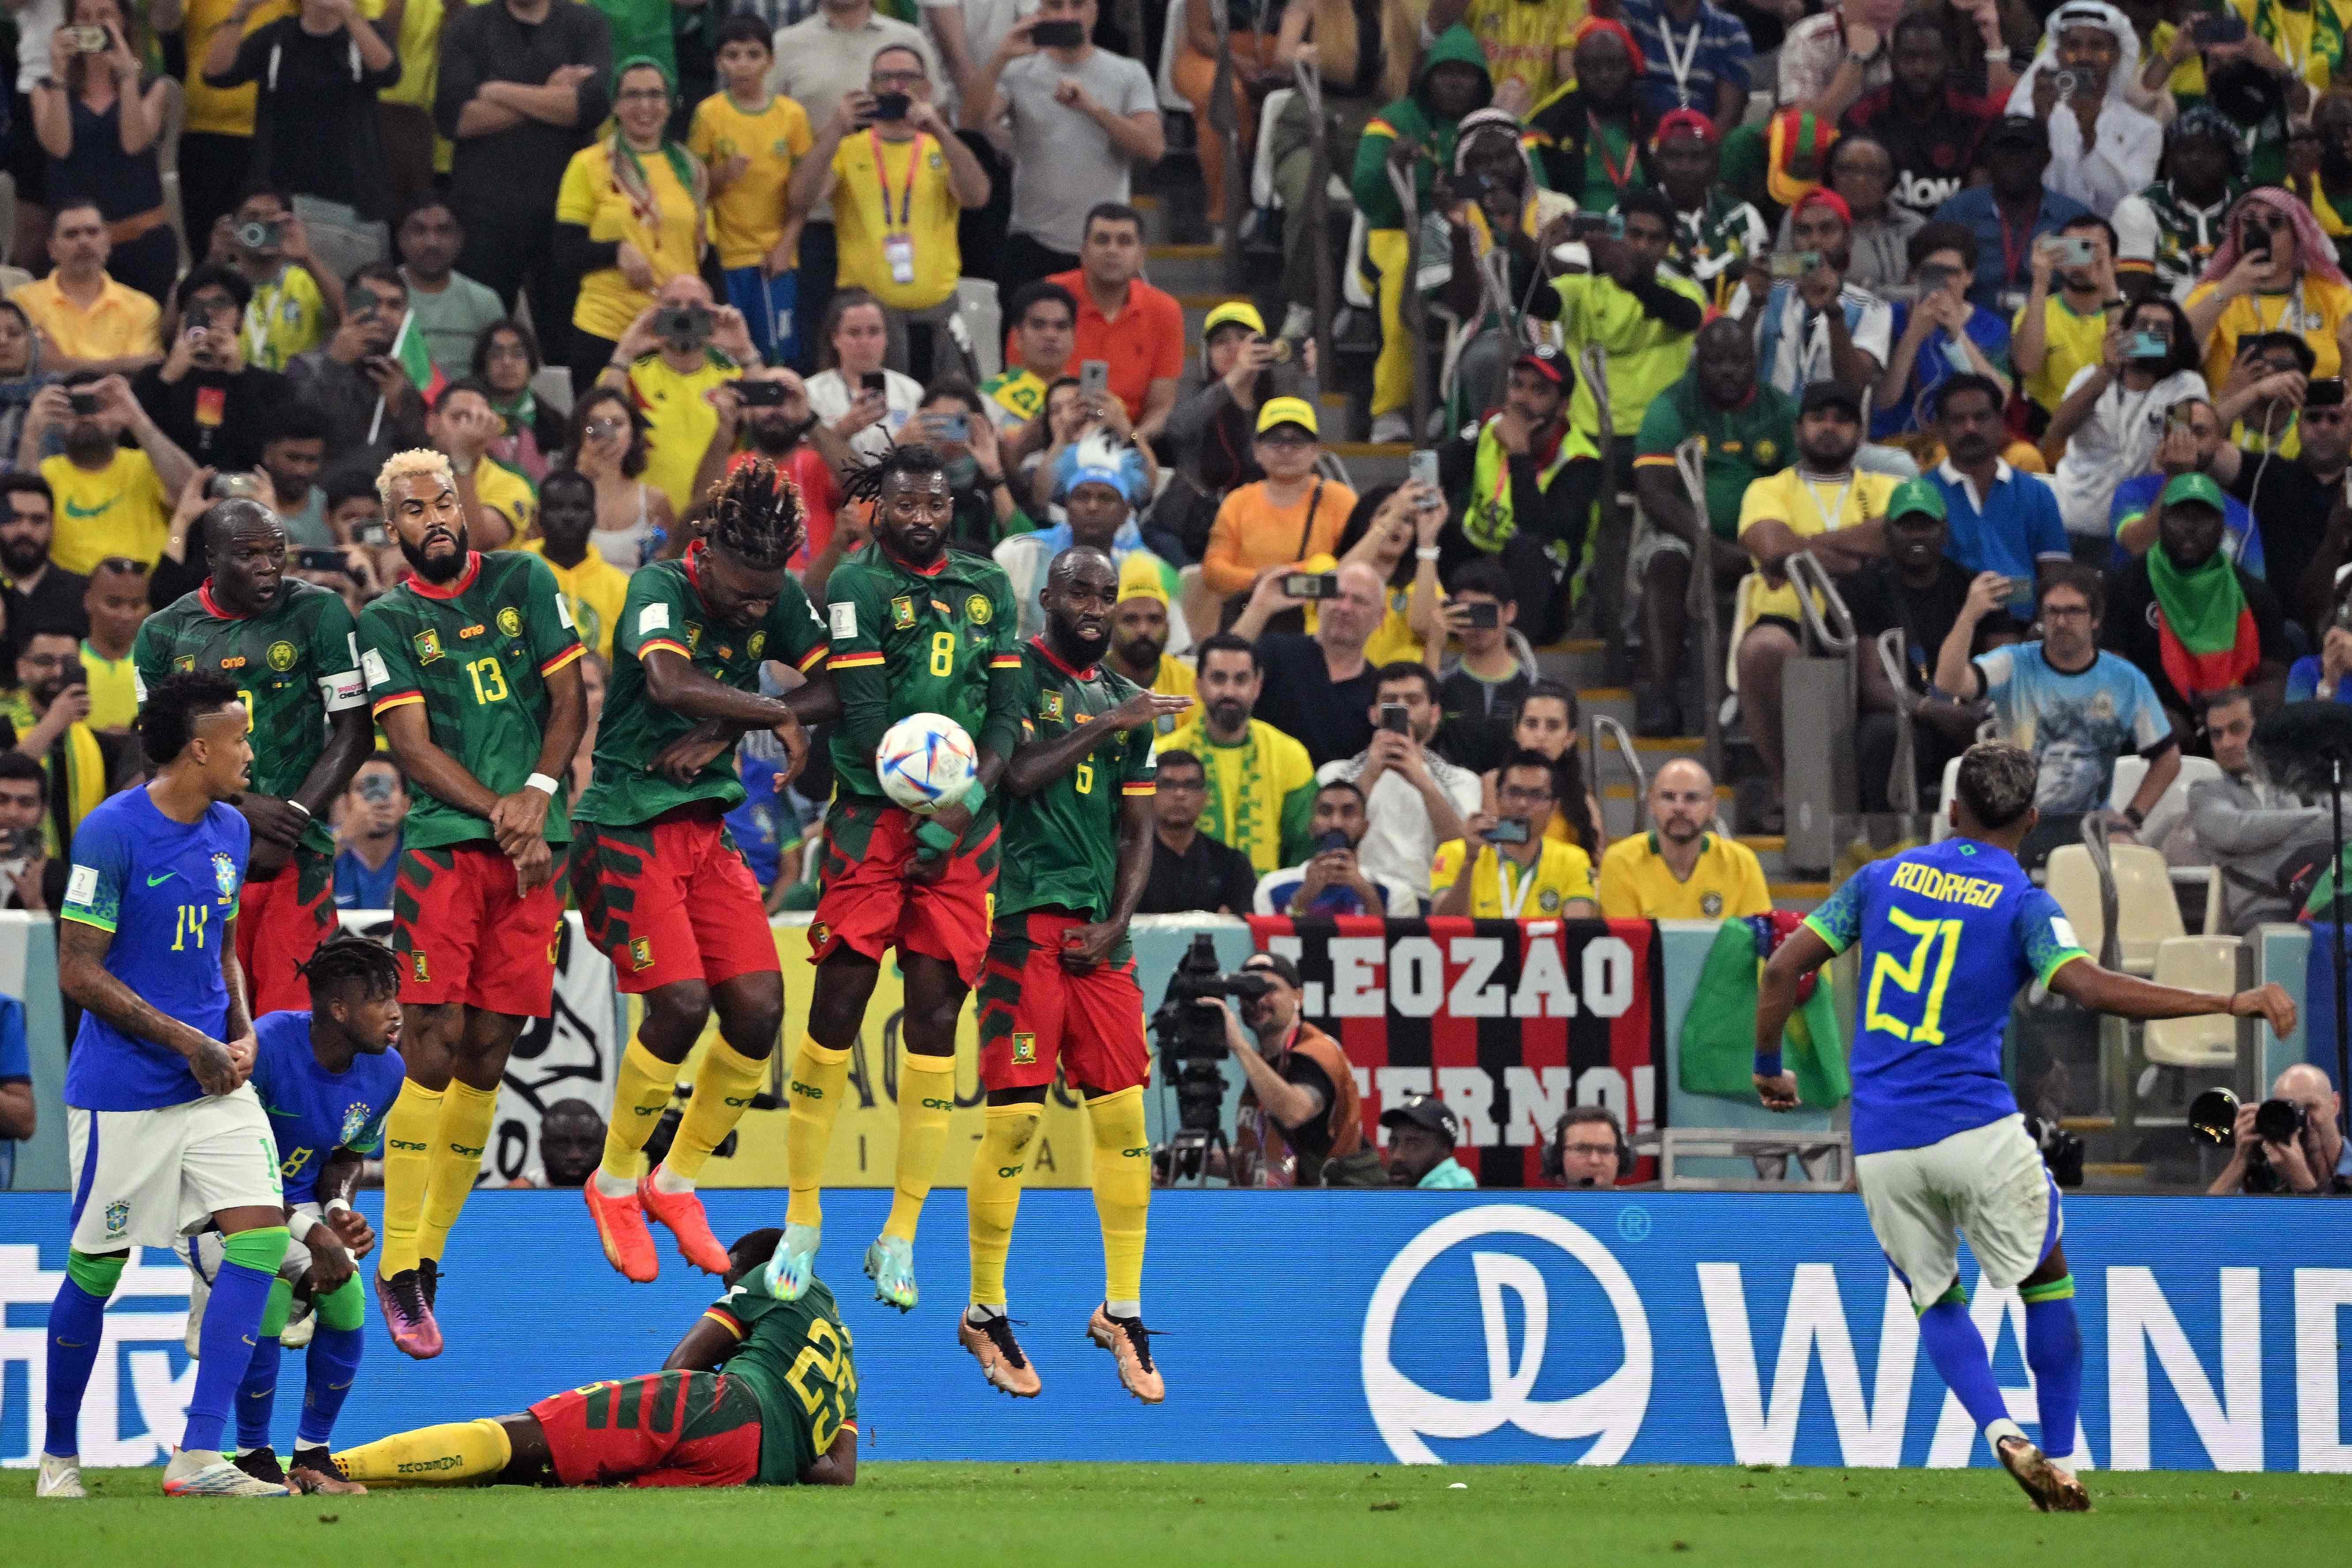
{"x":1999,"y":56}
{"x":2135,"y":816}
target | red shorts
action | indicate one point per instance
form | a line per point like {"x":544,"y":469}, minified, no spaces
{"x":281,"y":921}
{"x":1035,"y":1014}
{"x":671,"y":899}
{"x":868,"y":904}
{"x":464,"y":934}
{"x":664,"y":1429}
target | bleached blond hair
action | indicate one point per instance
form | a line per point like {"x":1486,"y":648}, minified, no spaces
{"x":418,"y":460}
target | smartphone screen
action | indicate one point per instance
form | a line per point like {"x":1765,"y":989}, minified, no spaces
{"x":874,"y":381}
{"x":1393,"y":716}
{"x":1483,"y":615}
{"x":1094,"y":379}
{"x":1310,"y":584}
{"x":1422,"y":466}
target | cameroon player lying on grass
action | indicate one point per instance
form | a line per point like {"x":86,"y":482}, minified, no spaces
{"x":759,"y":1393}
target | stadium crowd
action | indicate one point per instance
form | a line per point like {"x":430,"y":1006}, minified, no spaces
{"x":2026,"y":324}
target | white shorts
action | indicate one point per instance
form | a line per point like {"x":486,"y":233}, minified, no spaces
{"x":146,"y":1178}
{"x":204,"y":1252}
{"x":1988,"y":1183}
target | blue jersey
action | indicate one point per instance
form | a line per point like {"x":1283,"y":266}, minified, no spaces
{"x":1948,"y":934}
{"x":165,"y":892}
{"x":313,"y":1111}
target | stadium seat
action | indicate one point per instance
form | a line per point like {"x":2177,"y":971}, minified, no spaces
{"x":984,"y":319}
{"x":2172,"y":806}
{"x":1263,"y":195}
{"x":1942,"y":827}
{"x":2148,"y":913}
{"x":2195,"y":963}
{"x":1353,"y":289}
{"x":1171,"y":38}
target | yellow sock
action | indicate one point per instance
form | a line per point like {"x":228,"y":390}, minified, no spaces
{"x":1122,"y":1190}
{"x":639,"y":1100}
{"x":408,"y":1129}
{"x":723,"y":1086}
{"x":466,"y":1114}
{"x":925,"y":1101}
{"x":820,"y":1083}
{"x":995,"y":1195}
{"x":457,"y":1453}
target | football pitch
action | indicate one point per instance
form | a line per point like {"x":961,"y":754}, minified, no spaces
{"x":1043,"y":1515}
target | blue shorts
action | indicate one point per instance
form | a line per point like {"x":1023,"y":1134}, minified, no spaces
{"x":767,"y":306}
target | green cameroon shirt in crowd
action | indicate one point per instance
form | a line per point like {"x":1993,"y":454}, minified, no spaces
{"x":294,"y":663}
{"x":665,"y":611}
{"x":476,"y":651}
{"x":1061,"y":843}
{"x":1737,"y":445}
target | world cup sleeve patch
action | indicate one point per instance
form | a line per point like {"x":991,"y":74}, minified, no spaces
{"x":844,"y":620}
{"x":653,"y":617}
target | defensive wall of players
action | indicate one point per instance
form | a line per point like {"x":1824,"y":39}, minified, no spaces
{"x":1398,"y":975}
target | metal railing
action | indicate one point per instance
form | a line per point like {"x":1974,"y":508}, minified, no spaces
{"x":1604,"y":728}
{"x":1828,"y":625}
{"x":1690,"y":463}
{"x":1903,"y":780}
{"x":1411,"y":314}
{"x":1225,"y":123}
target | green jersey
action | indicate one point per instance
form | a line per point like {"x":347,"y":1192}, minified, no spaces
{"x":796,"y":1357}
{"x":665,"y":610}
{"x":907,"y":642}
{"x":294,"y":663}
{"x":1061,"y":843}
{"x":475,"y":652}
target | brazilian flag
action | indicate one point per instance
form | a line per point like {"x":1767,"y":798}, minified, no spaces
{"x":1718,"y":1043}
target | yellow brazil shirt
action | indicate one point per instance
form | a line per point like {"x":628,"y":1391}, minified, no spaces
{"x":746,"y":218}
{"x":591,"y":197}
{"x":119,"y":324}
{"x":1636,"y":883}
{"x":507,"y":492}
{"x":595,"y":590}
{"x":1522,"y":38}
{"x":1261,"y":792}
{"x":1176,"y":680}
{"x":1500,"y":890}
{"x":286,"y":317}
{"x":2072,"y":342}
{"x":925,"y":213}
{"x":113,"y":694}
{"x":420,"y":56}
{"x":2312,"y":310}
{"x":679,"y":420}
{"x":120,"y":509}
{"x":1809,"y":504}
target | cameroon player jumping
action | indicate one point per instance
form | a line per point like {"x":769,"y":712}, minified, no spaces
{"x":289,"y":647}
{"x":663,"y":890}
{"x":917,"y":628}
{"x":759,"y":1393}
{"x":1060,"y":985}
{"x":474,"y":667}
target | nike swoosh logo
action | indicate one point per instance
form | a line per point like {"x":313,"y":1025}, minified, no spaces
{"x":156,"y":881}
{"x":98,"y":511}
{"x":73,"y":1344}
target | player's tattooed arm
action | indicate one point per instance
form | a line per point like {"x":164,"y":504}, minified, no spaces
{"x":82,"y":976}
{"x":237,"y":1027}
{"x":1095,"y":942}
{"x":1036,"y":763}
{"x":837,"y":1466}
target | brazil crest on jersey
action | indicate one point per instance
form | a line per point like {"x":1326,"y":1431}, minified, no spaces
{"x":1950,"y":932}
{"x":796,"y":1357}
{"x":1061,"y":843}
{"x":313,"y":1112}
{"x":294,"y":663}
{"x":475,"y":652}
{"x":907,"y":642}
{"x":665,"y":610}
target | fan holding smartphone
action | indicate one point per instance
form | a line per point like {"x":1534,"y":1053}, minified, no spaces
{"x":1515,"y":872}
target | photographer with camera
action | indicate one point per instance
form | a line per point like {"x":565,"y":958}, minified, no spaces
{"x":1298,"y":1112}
{"x":674,"y":353}
{"x":30,"y":877}
{"x":2291,"y":1142}
{"x":296,"y":296}
{"x":204,"y":373}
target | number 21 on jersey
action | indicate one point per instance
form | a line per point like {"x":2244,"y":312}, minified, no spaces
{"x":1922,"y":977}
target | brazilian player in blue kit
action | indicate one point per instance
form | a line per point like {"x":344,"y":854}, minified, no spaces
{"x":325,"y":1076}
{"x":1949,"y":933}
{"x":163,"y":1130}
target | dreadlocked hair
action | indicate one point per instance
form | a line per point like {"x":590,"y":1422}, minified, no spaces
{"x":757,"y":514}
{"x":916,"y":461}
{"x":347,"y":955}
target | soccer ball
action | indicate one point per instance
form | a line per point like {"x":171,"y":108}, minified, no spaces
{"x":926,"y":759}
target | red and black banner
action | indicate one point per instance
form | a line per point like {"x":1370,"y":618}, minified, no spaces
{"x":1510,"y":1022}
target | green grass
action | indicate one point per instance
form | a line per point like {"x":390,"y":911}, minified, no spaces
{"x":1123,"y":1515}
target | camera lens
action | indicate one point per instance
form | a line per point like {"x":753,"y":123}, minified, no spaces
{"x":2278,"y":1120}
{"x":2214,"y":1117}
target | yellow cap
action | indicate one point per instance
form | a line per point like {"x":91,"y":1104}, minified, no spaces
{"x":1288,"y":411}
{"x":1138,"y":577}
{"x":1231,"y":311}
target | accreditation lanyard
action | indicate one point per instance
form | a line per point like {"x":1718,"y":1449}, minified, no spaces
{"x":1829,"y":515}
{"x":1680,"y":65}
{"x":897,"y":244}
{"x":1617,"y":176}
{"x":1512,"y":899}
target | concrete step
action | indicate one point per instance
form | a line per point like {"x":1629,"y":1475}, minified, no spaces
{"x":1187,"y":269}
{"x":1371,"y":465}
{"x":1771,"y":853}
{"x":1575,"y":662}
{"x":1612,"y":701}
{"x":1799,"y":896}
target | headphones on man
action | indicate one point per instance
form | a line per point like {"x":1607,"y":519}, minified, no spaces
{"x":1555,"y":1154}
